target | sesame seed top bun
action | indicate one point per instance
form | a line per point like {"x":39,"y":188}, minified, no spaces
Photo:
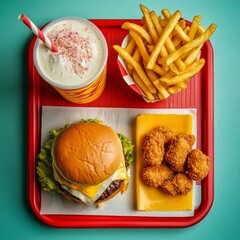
{"x":87,"y":153}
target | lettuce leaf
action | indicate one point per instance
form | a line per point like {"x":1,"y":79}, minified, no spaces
{"x":44,"y":166}
{"x":44,"y":163}
{"x":127,"y":148}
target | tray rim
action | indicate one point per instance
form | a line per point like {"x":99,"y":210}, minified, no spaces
{"x":96,"y":221}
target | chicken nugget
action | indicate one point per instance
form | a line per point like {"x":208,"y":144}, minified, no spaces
{"x":177,"y":151}
{"x":153,"y":148}
{"x":155,"y":175}
{"x":198,"y":164}
{"x":154,"y":145}
{"x":180,"y":184}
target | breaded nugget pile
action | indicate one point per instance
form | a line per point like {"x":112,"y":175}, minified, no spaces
{"x":171,"y":163}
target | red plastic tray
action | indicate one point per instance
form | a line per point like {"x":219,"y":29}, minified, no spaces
{"x":198,"y":95}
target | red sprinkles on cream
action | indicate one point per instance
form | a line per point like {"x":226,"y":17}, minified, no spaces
{"x":73,"y":47}
{"x":78,"y":56}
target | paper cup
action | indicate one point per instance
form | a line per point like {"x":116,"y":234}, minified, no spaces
{"x":79,"y":91}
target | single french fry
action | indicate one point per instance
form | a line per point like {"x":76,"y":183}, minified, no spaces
{"x":171,"y":48}
{"x":139,"y":29}
{"x":173,"y":89}
{"x":186,"y":75}
{"x":159,"y":70}
{"x":138,"y":68}
{"x":176,"y":88}
{"x":182,"y":24}
{"x":136,"y":56}
{"x":168,"y":47}
{"x":169,"y":74}
{"x":177,"y":40}
{"x":142,"y":86}
{"x":194,"y":27}
{"x":141,"y":46}
{"x":174,"y":68}
{"x":192,"y":56}
{"x":149,"y":23}
{"x":150,"y":48}
{"x":177,"y":28}
{"x":130,"y":46}
{"x":159,"y":29}
{"x":161,"y":60}
{"x":161,"y":89}
{"x":162,"y":22}
{"x":156,"y":23}
{"x":166,"y":32}
{"x":182,"y":34}
{"x":200,"y":30}
{"x":190,"y":45}
{"x":182,"y":85}
{"x":151,"y":74}
{"x":129,"y":68}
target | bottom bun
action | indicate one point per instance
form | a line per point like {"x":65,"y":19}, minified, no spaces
{"x":68,"y":196}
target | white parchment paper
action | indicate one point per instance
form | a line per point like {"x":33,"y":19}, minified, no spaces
{"x":122,"y":120}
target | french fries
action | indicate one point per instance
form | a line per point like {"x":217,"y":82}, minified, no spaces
{"x":162,"y":39}
{"x":185,"y":75}
{"x":137,"y":67}
{"x":164,"y":52}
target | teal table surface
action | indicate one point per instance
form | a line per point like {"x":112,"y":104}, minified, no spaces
{"x":16,"y":218}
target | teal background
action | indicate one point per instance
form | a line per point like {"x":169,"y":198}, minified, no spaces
{"x":16,"y":218}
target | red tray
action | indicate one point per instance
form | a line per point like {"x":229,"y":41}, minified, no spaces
{"x":198,"y":95}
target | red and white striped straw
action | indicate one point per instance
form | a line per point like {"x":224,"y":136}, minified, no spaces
{"x":38,"y":32}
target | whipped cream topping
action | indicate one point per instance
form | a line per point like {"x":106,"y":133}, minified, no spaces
{"x":79,"y":57}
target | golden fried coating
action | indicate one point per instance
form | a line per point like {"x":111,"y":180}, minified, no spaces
{"x":153,"y":148}
{"x":155,"y":175}
{"x":180,"y":184}
{"x":168,"y":133}
{"x":177,"y":151}
{"x":197,"y":164}
{"x":188,"y":137}
{"x":154,"y":145}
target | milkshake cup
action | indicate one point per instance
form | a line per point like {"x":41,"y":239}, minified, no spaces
{"x":78,"y":69}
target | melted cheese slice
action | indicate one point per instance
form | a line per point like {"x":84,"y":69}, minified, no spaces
{"x":150,"y":198}
{"x":89,"y":194}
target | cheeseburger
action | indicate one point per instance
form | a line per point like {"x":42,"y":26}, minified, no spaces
{"x":86,"y":162}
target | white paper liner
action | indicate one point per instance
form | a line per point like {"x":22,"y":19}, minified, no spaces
{"x":122,"y":120}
